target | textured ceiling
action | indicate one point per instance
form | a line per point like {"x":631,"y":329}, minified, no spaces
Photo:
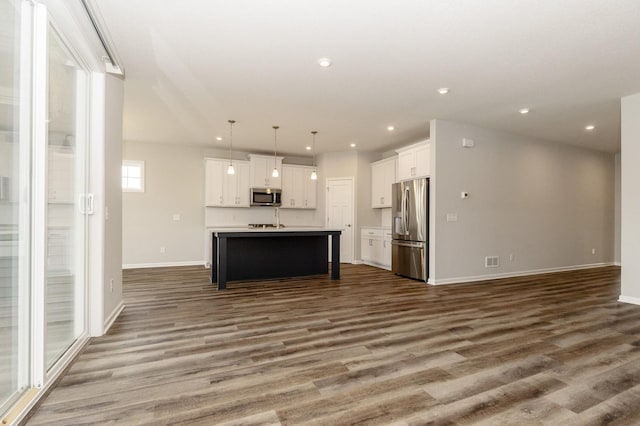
{"x":193,"y":64}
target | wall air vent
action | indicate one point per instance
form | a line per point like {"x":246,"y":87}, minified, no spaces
{"x":491,"y":261}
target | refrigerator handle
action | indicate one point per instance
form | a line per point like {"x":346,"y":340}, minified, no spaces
{"x":406,"y":210}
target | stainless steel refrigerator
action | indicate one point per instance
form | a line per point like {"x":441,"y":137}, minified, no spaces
{"x":410,"y":215}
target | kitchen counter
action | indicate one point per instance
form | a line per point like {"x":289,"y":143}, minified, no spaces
{"x":247,"y":254}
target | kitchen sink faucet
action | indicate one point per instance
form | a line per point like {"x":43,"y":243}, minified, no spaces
{"x":277,"y":215}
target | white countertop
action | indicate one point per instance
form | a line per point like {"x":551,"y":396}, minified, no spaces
{"x":285,"y":229}
{"x":384,"y":228}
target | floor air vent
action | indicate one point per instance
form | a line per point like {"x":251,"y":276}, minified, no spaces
{"x":491,"y":261}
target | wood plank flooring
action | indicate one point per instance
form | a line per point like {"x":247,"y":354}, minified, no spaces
{"x":372,"y":348}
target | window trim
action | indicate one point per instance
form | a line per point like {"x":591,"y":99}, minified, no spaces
{"x":134,"y":163}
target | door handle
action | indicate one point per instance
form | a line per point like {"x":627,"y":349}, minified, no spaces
{"x":90,"y":204}
{"x":349,"y":225}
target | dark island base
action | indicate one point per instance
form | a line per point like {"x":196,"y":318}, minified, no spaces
{"x":264,"y":258}
{"x":265,"y":255}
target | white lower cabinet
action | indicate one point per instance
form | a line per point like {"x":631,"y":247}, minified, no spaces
{"x":375,"y":249}
{"x":386,"y":249}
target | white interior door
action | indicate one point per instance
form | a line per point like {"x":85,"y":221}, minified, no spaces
{"x":341,"y":214}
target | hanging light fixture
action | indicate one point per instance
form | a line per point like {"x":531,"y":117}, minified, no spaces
{"x":230,"y":169}
{"x":275,"y":172}
{"x":314,"y":174}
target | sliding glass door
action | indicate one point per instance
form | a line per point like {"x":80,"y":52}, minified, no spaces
{"x":44,"y":122}
{"x":15,"y":143}
{"x":66,"y":200}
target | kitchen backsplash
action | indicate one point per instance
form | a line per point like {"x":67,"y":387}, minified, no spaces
{"x":242,"y":216}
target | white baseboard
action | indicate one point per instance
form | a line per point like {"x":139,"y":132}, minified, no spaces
{"x":358,"y":262}
{"x":111,"y":319}
{"x":163,"y":264}
{"x":467,"y":279}
{"x":629,"y":299}
{"x":617,"y":263}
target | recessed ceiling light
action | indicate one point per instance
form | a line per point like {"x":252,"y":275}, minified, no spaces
{"x":353,"y":145}
{"x":218,"y":138}
{"x":324,"y":62}
{"x":308,"y":148}
{"x":390,"y":128}
{"x":590,"y":127}
{"x":523,"y":110}
{"x":443,"y":90}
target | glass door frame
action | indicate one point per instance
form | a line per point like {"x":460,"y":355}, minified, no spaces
{"x":40,"y":374}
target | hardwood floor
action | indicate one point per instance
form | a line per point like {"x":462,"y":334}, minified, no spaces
{"x":372,"y":348}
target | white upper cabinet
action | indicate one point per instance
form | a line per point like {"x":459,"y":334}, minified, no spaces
{"x":298,"y":190}
{"x":414,"y":161}
{"x":262,"y":169}
{"x":383,"y":176}
{"x":222,"y":189}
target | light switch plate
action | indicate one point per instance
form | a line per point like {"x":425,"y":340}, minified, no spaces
{"x":452,"y":217}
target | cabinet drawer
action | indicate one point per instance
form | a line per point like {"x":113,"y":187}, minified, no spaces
{"x":371,"y":233}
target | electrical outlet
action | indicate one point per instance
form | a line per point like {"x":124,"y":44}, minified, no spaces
{"x":593,"y":251}
{"x":163,"y":249}
{"x":111,"y":285}
{"x":176,"y":217}
{"x":106,"y":213}
{"x":511,"y":257}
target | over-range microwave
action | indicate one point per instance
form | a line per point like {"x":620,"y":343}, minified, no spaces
{"x":265,"y":197}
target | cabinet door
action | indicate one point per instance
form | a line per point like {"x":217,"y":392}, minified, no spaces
{"x":310,"y":189}
{"x":214,"y":183}
{"x":386,"y":251}
{"x":271,"y":181}
{"x":290,"y":186}
{"x":242,"y":189}
{"x":406,"y":165}
{"x":376,"y":251}
{"x":422,"y":161}
{"x":377,"y":179}
{"x":259,"y":172}
{"x":388,"y":179}
{"x":365,"y":249}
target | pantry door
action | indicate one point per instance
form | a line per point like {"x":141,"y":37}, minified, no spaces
{"x":340,"y":213}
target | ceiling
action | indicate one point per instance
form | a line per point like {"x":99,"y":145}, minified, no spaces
{"x":191,"y":65}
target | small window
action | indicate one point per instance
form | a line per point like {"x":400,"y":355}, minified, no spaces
{"x":133,"y":176}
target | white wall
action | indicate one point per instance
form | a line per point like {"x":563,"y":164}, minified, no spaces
{"x":547,"y":204}
{"x":112,"y":254}
{"x":630,"y":199}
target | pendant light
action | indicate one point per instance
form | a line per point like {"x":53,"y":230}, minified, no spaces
{"x":230,"y":169}
{"x":275,"y":172}
{"x":314,"y":174}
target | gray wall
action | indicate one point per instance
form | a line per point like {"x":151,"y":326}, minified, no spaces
{"x":114,"y":89}
{"x":630,"y":209}
{"x":617,"y":195}
{"x":174,"y":176}
{"x":357,"y":165}
{"x":546,"y":204}
{"x":174,"y":184}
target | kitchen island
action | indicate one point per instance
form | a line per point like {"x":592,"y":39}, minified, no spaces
{"x":251,"y":254}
